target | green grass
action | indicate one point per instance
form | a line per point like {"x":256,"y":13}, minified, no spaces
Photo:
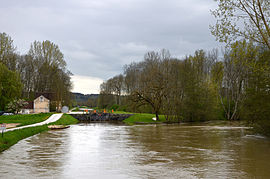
{"x":81,"y":108}
{"x":66,"y":120}
{"x":85,"y":107}
{"x":120,"y":112}
{"x":75,"y":109}
{"x":12,"y":137}
{"x":25,"y":119}
{"x":143,"y":118}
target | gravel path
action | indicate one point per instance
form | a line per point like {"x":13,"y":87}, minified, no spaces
{"x":51,"y":119}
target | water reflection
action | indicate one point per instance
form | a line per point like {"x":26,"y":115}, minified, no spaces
{"x":152,"y":151}
{"x":42,"y":155}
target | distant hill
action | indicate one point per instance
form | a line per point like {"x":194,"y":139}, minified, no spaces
{"x":83,"y":98}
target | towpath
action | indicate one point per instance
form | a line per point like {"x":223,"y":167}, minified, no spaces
{"x":51,"y":119}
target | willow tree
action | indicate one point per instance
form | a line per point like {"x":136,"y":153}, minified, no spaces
{"x":249,"y":19}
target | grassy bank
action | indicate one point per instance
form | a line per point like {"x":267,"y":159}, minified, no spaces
{"x":12,"y":137}
{"x":143,"y":118}
{"x":25,"y":119}
{"x":66,"y":120}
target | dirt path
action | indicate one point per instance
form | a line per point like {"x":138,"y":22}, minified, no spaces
{"x":11,"y":125}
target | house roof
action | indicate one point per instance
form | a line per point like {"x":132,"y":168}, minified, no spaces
{"x":49,"y":96}
{"x":29,"y":105}
{"x":40,"y":96}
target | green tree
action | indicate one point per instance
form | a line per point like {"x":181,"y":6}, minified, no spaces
{"x":199,"y":95}
{"x":174,"y":93}
{"x":235,"y":81}
{"x":16,"y":105}
{"x":10,"y":86}
{"x":257,"y":102}
{"x":7,"y":52}
{"x":249,"y":19}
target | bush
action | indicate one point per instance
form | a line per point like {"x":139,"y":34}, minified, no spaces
{"x":122,"y":108}
{"x":262,"y":127}
{"x":114,"y":107}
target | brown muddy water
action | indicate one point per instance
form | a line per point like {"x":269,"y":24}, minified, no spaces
{"x":150,"y":151}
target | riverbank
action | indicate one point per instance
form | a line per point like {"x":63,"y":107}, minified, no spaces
{"x":145,"y":118}
{"x":12,"y":137}
{"x":26,"y":119}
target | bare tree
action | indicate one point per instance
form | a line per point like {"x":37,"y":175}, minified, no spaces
{"x":150,"y":86}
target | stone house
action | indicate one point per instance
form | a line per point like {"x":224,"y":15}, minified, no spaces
{"x":40,"y":105}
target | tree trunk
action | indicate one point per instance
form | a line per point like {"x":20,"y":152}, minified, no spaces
{"x":157,"y":118}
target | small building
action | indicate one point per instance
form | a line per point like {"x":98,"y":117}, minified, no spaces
{"x":28,"y":108}
{"x":39,"y":105}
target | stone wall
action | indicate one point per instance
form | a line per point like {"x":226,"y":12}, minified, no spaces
{"x":102,"y":117}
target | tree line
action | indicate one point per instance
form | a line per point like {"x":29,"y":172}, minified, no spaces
{"x":42,"y":70}
{"x":231,"y":85}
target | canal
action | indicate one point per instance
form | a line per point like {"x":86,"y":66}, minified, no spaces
{"x":104,"y":150}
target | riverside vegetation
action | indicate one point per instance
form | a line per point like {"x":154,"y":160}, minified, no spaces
{"x":198,"y":88}
{"x":233,"y":85}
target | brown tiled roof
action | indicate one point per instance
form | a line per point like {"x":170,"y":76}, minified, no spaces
{"x":29,"y":105}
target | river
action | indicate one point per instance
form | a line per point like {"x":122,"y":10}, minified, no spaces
{"x":103,"y":150}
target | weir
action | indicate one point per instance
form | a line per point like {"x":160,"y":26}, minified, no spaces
{"x":101,"y":117}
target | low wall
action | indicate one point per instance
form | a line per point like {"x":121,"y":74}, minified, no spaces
{"x":102,"y":117}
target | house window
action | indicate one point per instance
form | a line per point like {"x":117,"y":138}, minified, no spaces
{"x":41,"y":99}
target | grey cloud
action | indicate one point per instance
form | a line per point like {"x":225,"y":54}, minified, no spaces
{"x":99,"y":36}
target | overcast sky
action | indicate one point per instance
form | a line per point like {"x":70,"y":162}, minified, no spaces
{"x":98,"y":37}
